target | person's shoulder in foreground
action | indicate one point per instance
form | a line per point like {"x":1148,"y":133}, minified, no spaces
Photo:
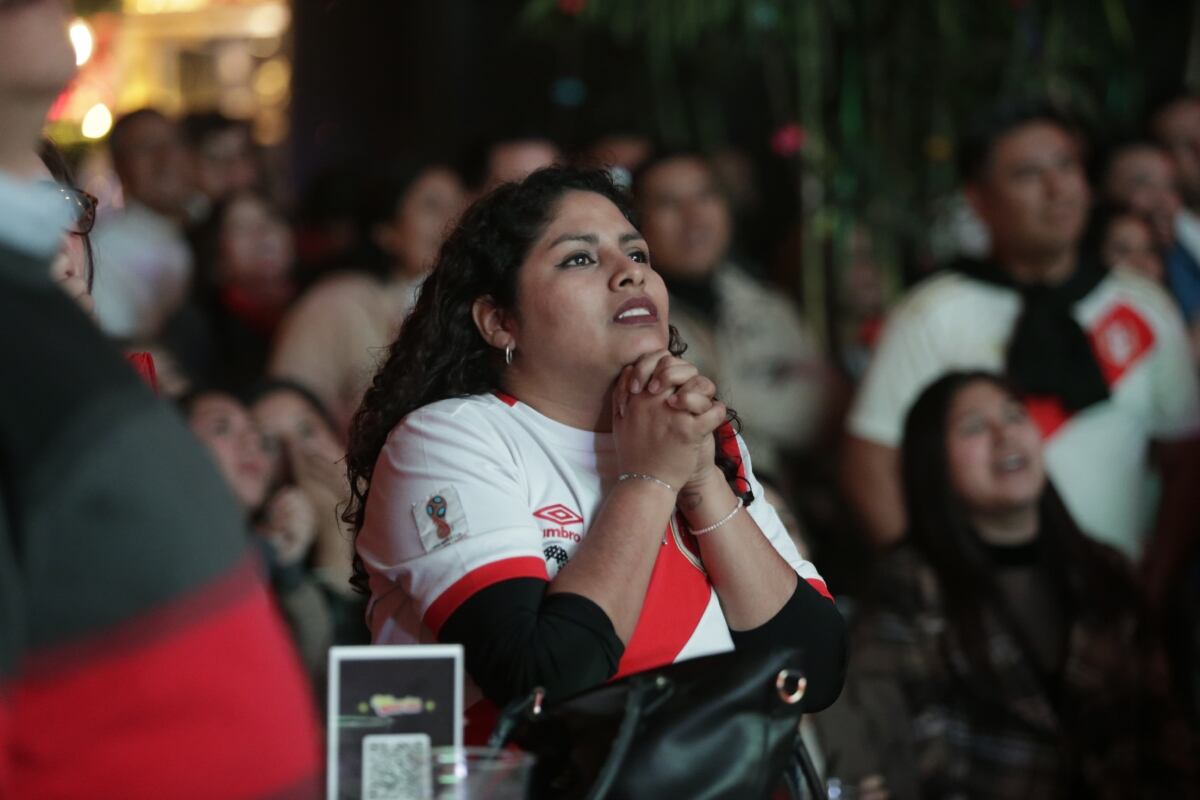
{"x":142,"y":654}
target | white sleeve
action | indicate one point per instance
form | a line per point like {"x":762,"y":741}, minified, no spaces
{"x":448,"y":514}
{"x":764,"y":514}
{"x":1176,"y":399}
{"x":904,"y":363}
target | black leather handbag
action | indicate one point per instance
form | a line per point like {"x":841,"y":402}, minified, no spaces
{"x":723,"y":726}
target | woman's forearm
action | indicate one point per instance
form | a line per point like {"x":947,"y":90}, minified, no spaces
{"x":752,"y":580}
{"x":613,"y":564}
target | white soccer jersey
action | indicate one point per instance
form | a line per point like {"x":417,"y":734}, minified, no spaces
{"x":469,"y":492}
{"x":1097,"y":458}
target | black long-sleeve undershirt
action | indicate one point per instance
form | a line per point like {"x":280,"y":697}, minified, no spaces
{"x":811,"y":621}
{"x":517,"y":637}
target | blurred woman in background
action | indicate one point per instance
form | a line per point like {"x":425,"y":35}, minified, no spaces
{"x":1125,"y":240}
{"x":1002,"y":653}
{"x":244,"y":260}
{"x":333,"y":339}
{"x":281,"y":516}
{"x":306,"y":453}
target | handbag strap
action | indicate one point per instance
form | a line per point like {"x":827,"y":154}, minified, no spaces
{"x":803,"y":773}
{"x":634,"y":705}
{"x":530,"y":704}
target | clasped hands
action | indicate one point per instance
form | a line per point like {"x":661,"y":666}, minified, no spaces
{"x":664,"y":415}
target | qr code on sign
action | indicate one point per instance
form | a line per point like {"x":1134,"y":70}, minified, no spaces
{"x":396,"y":767}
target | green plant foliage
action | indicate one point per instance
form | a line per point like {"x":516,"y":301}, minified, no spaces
{"x":880,"y":87}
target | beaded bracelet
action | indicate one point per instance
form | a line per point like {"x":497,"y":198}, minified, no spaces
{"x":640,"y":476}
{"x":720,"y":522}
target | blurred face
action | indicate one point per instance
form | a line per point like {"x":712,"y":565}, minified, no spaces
{"x":993,"y":451}
{"x":685,"y":218}
{"x":224,"y":426}
{"x":70,"y":270}
{"x":153,"y":165}
{"x":588,"y":302}
{"x":224,"y":164}
{"x":1178,"y":128}
{"x":256,"y":245}
{"x":36,"y":57}
{"x":1129,"y":244}
{"x":1033,"y":195}
{"x":287,"y":420}
{"x":513,"y":161}
{"x":423,"y":218}
{"x":625,"y":151}
{"x":1143,"y":178}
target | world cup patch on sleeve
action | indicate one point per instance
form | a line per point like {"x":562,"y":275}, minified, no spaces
{"x":440,"y":519}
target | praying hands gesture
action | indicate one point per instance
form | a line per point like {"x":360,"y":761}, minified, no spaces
{"x":662,"y":389}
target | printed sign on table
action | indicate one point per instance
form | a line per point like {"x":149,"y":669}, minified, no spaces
{"x":389,"y":706}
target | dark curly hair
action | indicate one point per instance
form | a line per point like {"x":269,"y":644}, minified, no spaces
{"x":439,"y":352}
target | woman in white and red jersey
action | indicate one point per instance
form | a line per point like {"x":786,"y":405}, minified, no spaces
{"x":539,"y":476}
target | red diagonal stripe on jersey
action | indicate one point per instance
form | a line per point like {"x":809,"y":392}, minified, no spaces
{"x":675,"y":601}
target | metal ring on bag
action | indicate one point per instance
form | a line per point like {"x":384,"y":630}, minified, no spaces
{"x":790,"y":685}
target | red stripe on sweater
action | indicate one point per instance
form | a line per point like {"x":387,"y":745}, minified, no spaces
{"x":6,"y":787}
{"x":214,"y":707}
{"x":222,"y":592}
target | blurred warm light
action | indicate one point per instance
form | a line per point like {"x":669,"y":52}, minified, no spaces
{"x":272,"y":80}
{"x":268,"y":21}
{"x":238,"y":103}
{"x":167,"y":6}
{"x":234,"y":63}
{"x":270,"y":127}
{"x":82,"y":40}
{"x":97,"y":122}
{"x":265,"y":47}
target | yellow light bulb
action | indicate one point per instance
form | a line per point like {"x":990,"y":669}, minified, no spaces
{"x":82,"y":40}
{"x":97,"y":122}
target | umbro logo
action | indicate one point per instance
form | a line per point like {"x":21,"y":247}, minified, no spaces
{"x":558,"y":514}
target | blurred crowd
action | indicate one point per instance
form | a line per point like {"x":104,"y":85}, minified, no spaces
{"x":985,"y":652}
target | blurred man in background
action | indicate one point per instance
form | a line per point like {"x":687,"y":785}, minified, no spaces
{"x":144,"y":264}
{"x":220,"y":153}
{"x":1102,"y":357}
{"x":1144,"y":178}
{"x":1176,"y":125}
{"x":512,"y":158}
{"x":748,"y":337}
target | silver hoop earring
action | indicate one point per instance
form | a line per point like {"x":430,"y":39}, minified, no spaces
{"x":508,"y":351}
